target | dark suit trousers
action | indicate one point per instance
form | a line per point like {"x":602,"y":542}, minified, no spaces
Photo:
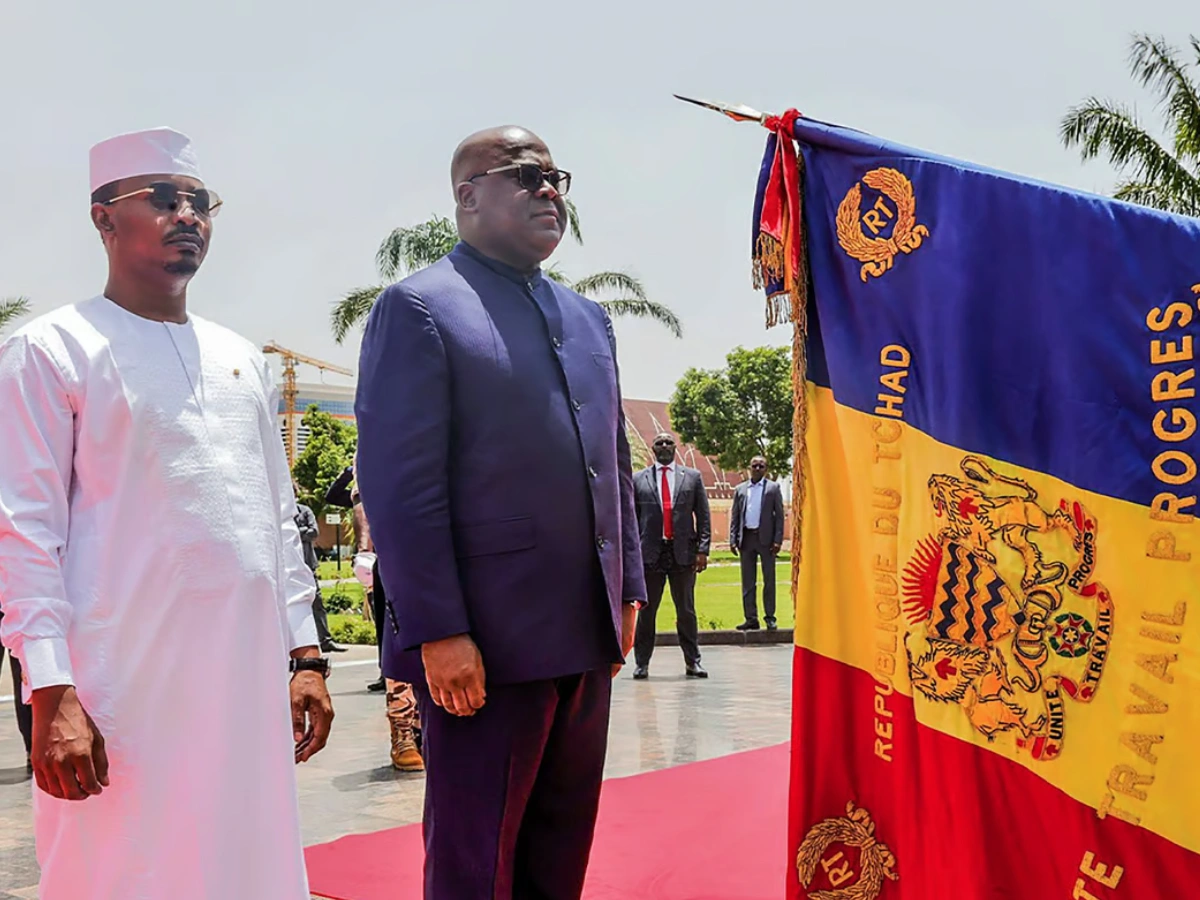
{"x":751,"y":555}
{"x":323,"y":636}
{"x":379,"y":605}
{"x":683,"y":595}
{"x":511,"y":793}
{"x":24,"y":711}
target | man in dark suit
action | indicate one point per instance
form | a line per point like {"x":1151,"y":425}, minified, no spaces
{"x":496,"y":475}
{"x":306,"y":523}
{"x":756,"y":535}
{"x":676,"y":533}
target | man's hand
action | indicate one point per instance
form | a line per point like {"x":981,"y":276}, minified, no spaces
{"x":629,"y":616}
{"x":454,"y":671}
{"x":69,"y":760}
{"x":701,"y":562}
{"x":733,"y":549}
{"x":312,"y":714}
{"x":775,"y":548}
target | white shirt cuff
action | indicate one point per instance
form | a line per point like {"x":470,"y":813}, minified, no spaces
{"x":303,"y":626}
{"x":45,"y":662}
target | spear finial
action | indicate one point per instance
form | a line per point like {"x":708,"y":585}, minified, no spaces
{"x":737,"y":112}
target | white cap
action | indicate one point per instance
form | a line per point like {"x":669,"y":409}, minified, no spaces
{"x":157,"y":151}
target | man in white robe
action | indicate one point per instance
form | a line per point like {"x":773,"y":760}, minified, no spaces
{"x":151,"y":574}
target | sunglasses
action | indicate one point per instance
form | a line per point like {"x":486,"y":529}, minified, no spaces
{"x":758,"y":465}
{"x":167,"y":197}
{"x":531,"y":177}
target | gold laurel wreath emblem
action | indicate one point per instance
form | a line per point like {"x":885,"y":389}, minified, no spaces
{"x":877,"y":254}
{"x":876,"y":861}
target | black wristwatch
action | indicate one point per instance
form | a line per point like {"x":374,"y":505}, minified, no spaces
{"x":310,"y":664}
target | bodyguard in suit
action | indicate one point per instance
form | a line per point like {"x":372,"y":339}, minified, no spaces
{"x":676,"y":534}
{"x":756,"y":535}
{"x":496,"y":475}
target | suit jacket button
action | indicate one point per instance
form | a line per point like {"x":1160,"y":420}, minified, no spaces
{"x":578,"y":406}
{"x":592,"y":471}
{"x":557,"y":342}
{"x":601,"y":543}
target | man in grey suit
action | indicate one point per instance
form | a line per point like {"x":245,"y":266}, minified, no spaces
{"x":756,"y":534}
{"x":676,"y":533}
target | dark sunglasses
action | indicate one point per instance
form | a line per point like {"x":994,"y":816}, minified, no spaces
{"x":167,"y":197}
{"x":664,"y":443}
{"x":758,"y":465}
{"x":531,"y":177}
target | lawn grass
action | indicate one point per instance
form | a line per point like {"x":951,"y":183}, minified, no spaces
{"x":718,"y":604}
{"x":328,"y":571}
{"x":719,"y":597}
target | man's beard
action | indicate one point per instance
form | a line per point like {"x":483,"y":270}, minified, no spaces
{"x":183,"y":266}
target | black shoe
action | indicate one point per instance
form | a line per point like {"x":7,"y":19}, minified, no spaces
{"x":641,"y":673}
{"x":748,"y":625}
{"x":771,"y":625}
{"x":695,"y":670}
{"x":377,"y":686}
{"x":331,"y":647}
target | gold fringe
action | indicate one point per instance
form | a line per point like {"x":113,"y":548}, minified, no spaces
{"x":769,"y":261}
{"x":791,"y":304}
{"x":799,"y":315}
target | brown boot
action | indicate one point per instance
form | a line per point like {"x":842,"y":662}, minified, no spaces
{"x":405,"y":755}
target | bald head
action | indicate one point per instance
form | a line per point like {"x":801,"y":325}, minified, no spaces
{"x":498,"y":216}
{"x":491,"y":148}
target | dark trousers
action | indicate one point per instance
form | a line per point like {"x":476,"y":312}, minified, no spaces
{"x":752,"y":555}
{"x":24,"y":711}
{"x":378,"y":601}
{"x":324,"y":638}
{"x":683,"y":595}
{"x":511,"y":793}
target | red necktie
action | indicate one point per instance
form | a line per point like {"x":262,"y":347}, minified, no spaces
{"x":668,"y":525}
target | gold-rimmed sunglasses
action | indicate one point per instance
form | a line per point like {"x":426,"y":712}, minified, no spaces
{"x":531,"y":177}
{"x":167,"y":197}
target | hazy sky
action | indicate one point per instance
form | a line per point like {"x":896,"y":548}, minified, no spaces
{"x":324,"y":125}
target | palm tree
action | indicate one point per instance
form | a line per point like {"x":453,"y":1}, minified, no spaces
{"x":409,"y":249}
{"x":1152,"y":175}
{"x":11,"y":310}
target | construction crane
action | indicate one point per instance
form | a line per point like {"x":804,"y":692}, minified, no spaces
{"x":290,"y":392}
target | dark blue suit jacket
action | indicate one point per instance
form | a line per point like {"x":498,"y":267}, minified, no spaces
{"x":495,"y":472}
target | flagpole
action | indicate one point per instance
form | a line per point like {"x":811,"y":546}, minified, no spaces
{"x":737,"y":111}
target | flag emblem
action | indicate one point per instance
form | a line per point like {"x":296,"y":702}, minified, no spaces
{"x":891,"y":221}
{"x":840,"y":858}
{"x":990,"y":602}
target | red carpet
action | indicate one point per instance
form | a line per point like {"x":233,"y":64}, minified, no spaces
{"x":714,"y":830}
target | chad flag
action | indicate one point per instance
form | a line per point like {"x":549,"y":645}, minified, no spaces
{"x":997,"y":665}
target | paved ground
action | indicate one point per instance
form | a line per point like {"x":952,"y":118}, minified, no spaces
{"x":351,"y":787}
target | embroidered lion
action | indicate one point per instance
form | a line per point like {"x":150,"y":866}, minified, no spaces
{"x":974,"y":678}
{"x":976,"y":519}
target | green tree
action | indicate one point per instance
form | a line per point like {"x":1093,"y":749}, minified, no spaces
{"x":409,"y":249}
{"x":327,"y":453}
{"x":741,"y":411}
{"x":11,"y":310}
{"x":1151,"y":174}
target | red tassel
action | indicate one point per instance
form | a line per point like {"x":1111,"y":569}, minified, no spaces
{"x":778,"y":251}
